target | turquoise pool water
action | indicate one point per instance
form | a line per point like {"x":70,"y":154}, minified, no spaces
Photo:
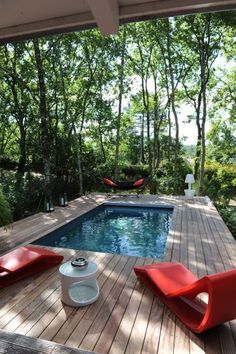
{"x":133,"y":231}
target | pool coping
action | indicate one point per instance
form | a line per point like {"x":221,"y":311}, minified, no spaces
{"x":63,"y":230}
{"x":139,"y":205}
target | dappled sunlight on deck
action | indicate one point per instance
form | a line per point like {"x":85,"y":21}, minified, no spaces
{"x":126,"y":318}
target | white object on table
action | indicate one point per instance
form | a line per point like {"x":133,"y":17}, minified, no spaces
{"x":79,"y":287}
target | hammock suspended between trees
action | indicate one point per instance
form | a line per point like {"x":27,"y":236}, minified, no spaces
{"x":126,"y":185}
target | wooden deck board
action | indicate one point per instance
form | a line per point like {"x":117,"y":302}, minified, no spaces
{"x":126,"y":318}
{"x":122,"y":335}
{"x":140,"y":323}
{"x":12,"y":343}
{"x":112,"y":325}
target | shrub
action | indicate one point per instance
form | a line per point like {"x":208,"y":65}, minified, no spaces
{"x":171,"y":180}
{"x":135,"y":171}
{"x":220,"y":181}
{"x":5,"y":211}
{"x":229,"y":216}
{"x":26,"y":197}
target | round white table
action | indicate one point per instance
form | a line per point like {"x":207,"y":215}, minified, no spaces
{"x":79,"y":286}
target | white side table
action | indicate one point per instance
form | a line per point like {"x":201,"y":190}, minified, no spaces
{"x":79,"y":286}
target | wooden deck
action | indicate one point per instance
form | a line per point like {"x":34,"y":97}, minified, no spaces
{"x":126,"y":318}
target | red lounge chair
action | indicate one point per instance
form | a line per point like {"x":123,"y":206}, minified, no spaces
{"x":25,"y":261}
{"x":177,"y":287}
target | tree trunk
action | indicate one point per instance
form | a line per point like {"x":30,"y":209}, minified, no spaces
{"x":167,"y":85}
{"x":100,"y":124}
{"x":121,"y":91}
{"x":101,"y":139}
{"x":169,"y":134}
{"x":173,"y":88}
{"x":79,"y":162}
{"x":43,"y":119}
{"x":157,"y":126}
{"x":145,"y":95}
{"x":79,"y":148}
{"x":18,"y":112}
{"x":142,"y":157}
{"x":204,"y":52}
{"x":172,"y":104}
{"x":203,"y":145}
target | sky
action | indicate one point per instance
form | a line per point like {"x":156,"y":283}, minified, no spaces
{"x":188,"y":130}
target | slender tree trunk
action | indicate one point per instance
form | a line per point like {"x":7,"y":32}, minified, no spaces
{"x":199,"y":135}
{"x":22,"y":139}
{"x":43,"y":119}
{"x":101,"y":139}
{"x":173,"y":88}
{"x":169,"y":134}
{"x":146,"y":105}
{"x":149,"y":138}
{"x":100,"y":125}
{"x":79,"y":148}
{"x":145,"y":95}
{"x":157,"y":125}
{"x":167,"y":85}
{"x":203,"y":145}
{"x":173,"y":104}
{"x":22,"y":159}
{"x":79,"y":162}
{"x":79,"y":159}
{"x":121,"y":91}
{"x":141,"y":157}
{"x":197,"y":159}
{"x":204,"y":39}
{"x":18,"y":112}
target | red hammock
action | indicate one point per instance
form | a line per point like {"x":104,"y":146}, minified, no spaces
{"x":125,"y":185}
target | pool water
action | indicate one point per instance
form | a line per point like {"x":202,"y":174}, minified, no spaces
{"x":133,"y":231}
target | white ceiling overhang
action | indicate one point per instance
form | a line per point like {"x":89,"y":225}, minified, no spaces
{"x":28,"y":18}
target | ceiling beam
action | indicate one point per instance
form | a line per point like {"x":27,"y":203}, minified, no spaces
{"x":106,"y":15}
{"x":46,"y":27}
{"x":165,"y":8}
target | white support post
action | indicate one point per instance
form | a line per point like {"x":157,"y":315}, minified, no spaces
{"x":106,"y":15}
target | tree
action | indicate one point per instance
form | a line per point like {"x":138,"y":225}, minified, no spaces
{"x":222,"y":139}
{"x":203,"y":49}
{"x":80,"y":105}
{"x":44,"y":119}
{"x":121,"y":76}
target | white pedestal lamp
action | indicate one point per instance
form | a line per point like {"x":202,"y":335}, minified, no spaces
{"x":189,"y":193}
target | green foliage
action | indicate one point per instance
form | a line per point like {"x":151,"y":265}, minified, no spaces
{"x":229,"y":216}
{"x":135,"y":171}
{"x":82,"y":83}
{"x":220,"y":181}
{"x":24,"y":198}
{"x":28,"y":198}
{"x":222,"y":146}
{"x":190,"y":151}
{"x":5,"y":211}
{"x":171,"y":180}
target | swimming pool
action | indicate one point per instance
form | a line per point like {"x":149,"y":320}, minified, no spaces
{"x":126,"y":230}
